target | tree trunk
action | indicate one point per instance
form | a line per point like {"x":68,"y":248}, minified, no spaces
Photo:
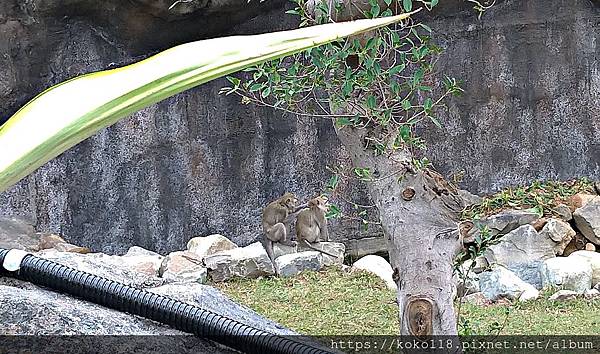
{"x":419,"y":213}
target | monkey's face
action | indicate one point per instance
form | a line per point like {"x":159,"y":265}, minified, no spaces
{"x":319,"y":203}
{"x":289,"y":201}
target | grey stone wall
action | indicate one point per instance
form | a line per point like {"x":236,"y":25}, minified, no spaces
{"x":201,"y":163}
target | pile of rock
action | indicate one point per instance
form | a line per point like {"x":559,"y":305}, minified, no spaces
{"x":219,"y":259}
{"x":535,"y":253}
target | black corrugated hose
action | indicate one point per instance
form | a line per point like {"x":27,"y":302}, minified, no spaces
{"x":180,"y":315}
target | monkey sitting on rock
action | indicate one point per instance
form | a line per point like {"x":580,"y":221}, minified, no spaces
{"x":275,"y":219}
{"x":311,"y":225}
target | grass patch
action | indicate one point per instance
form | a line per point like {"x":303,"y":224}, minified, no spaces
{"x":541,"y":196}
{"x":539,"y":317}
{"x":333,"y":302}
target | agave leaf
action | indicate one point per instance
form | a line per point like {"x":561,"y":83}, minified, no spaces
{"x":65,"y":114}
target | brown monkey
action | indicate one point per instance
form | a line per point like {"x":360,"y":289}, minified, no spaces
{"x":275,"y":218}
{"x":311,"y":225}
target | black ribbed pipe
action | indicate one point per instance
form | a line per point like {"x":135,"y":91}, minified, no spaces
{"x":180,"y":315}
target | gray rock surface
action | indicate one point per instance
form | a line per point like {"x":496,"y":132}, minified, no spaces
{"x":183,"y":267}
{"x":251,"y":261}
{"x":335,"y":248}
{"x":502,"y":283}
{"x":200,"y":163}
{"x":587,"y":220}
{"x":292,"y":264}
{"x":563,"y":295}
{"x":18,"y":233}
{"x":522,"y":251}
{"x":211,"y":244}
{"x":567,"y":273}
{"x":501,"y":223}
{"x":560,"y":232}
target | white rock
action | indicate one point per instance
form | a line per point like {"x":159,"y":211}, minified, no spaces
{"x":295,"y":263}
{"x":246,"y":262}
{"x":502,"y":283}
{"x":529,"y":294}
{"x":593,"y":259}
{"x":591,"y":294}
{"x":563,"y":295}
{"x":481,"y":265}
{"x":208,"y":245}
{"x":559,"y":232}
{"x":140,"y":251}
{"x":567,"y":273}
{"x":183,"y":267}
{"x":521,"y":251}
{"x":143,"y":260}
{"x":378,"y":266}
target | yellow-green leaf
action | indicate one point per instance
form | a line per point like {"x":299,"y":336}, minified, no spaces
{"x":72,"y":111}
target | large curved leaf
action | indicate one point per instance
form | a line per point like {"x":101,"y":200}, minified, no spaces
{"x":72,"y":111}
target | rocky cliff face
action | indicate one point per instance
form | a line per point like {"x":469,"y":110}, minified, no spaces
{"x":201,"y":163}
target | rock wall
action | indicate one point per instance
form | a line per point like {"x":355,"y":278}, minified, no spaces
{"x":201,"y":163}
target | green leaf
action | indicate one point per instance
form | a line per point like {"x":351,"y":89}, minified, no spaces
{"x":343,"y":121}
{"x":66,"y":114}
{"x":371,"y":102}
{"x":406,"y":105}
{"x":407,"y":4}
{"x":405,"y":132}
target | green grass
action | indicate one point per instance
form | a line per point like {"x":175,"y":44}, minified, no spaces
{"x":542,"y":196}
{"x":334,"y":302}
{"x":539,"y":317}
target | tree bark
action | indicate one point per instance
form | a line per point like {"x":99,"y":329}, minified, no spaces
{"x":419,"y":213}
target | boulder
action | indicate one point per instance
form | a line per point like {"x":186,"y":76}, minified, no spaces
{"x":29,"y":311}
{"x":579,"y":200}
{"x":335,"y":248}
{"x":563,"y":295}
{"x":280,"y":250}
{"x":476,"y":299}
{"x":466,"y":283}
{"x":183,"y":267}
{"x":251,"y":261}
{"x":591,"y":294}
{"x":593,"y":259}
{"x":502,"y":283}
{"x":480,"y":265}
{"x":48,"y":241}
{"x":117,"y":268}
{"x":143,"y":260}
{"x":18,"y":233}
{"x":587,"y":220}
{"x":211,"y":244}
{"x":577,"y":243}
{"x":469,"y":198}
{"x":501,"y":223}
{"x":560,"y":232}
{"x":567,"y":273}
{"x":292,"y":264}
{"x":563,"y":212}
{"x":522,"y":251}
{"x":590,"y":247}
{"x":378,"y":266}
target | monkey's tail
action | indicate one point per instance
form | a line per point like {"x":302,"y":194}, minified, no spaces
{"x":319,"y":250}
